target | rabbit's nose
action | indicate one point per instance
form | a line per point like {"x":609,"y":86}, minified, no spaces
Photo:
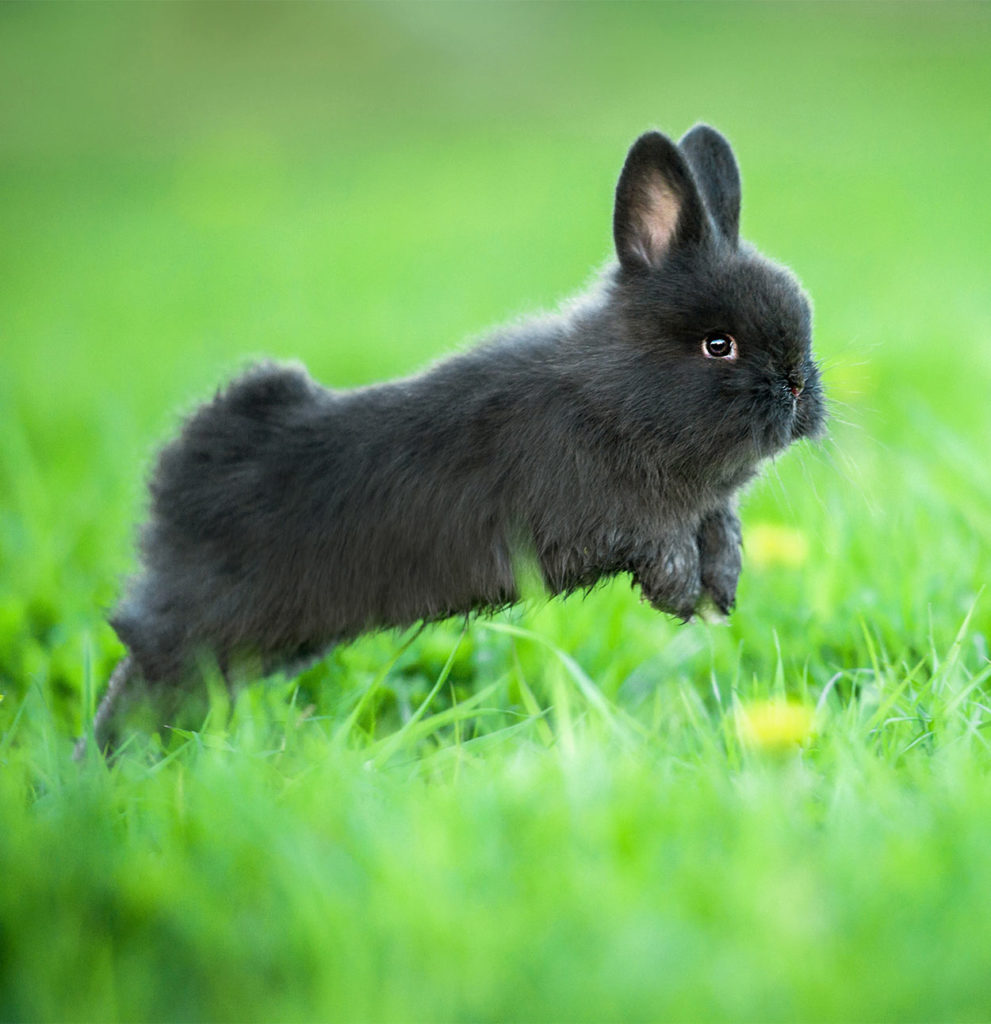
{"x":796,"y":383}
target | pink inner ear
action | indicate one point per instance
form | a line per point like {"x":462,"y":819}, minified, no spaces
{"x":658,"y":207}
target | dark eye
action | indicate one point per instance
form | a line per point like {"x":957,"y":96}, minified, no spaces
{"x":719,"y":345}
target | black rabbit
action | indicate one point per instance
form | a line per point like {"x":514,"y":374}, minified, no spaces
{"x":610,"y":438}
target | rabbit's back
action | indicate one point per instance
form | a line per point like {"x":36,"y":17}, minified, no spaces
{"x":287,"y":517}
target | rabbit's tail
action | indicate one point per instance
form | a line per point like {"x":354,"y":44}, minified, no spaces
{"x":119,"y":678}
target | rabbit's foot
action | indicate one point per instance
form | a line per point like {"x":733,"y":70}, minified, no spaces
{"x":672,"y":581}
{"x":719,"y":552}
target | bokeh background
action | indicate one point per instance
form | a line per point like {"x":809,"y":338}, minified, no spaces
{"x":184,"y":187}
{"x":364,"y":187}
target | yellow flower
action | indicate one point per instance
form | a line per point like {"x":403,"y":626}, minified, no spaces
{"x":776,"y":724}
{"x":768,"y":545}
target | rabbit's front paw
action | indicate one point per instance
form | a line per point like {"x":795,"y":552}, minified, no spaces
{"x":672,"y":581}
{"x":719,"y":552}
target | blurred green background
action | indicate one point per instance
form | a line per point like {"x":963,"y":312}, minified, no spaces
{"x":184,"y":187}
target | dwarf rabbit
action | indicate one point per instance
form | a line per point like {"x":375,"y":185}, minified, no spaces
{"x":610,"y":438}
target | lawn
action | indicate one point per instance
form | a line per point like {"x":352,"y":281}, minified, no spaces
{"x":575,"y":810}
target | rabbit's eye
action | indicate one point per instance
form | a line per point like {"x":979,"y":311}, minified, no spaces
{"x":719,"y":346}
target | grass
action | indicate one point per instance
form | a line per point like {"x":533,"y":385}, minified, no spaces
{"x":577,"y":810}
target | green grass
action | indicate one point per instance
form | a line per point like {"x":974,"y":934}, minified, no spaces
{"x":571,"y":811}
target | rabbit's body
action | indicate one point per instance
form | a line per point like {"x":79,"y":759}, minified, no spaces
{"x":608,"y":439}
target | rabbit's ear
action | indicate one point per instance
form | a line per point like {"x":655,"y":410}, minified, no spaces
{"x":718,"y":176}
{"x":658,"y":206}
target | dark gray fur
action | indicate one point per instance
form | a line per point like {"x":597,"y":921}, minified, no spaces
{"x":288,"y":517}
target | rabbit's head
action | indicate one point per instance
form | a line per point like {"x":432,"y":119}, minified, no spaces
{"x":722,"y":334}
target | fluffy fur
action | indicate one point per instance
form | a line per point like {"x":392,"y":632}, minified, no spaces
{"x":288,"y":517}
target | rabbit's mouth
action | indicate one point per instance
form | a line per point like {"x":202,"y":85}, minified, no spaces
{"x":793,"y":413}
{"x":796,"y":410}
{"x":808,"y":414}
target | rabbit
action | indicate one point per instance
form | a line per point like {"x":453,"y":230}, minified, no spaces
{"x":612,"y":437}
